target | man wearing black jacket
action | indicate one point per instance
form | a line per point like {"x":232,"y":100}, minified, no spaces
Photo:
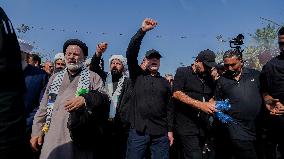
{"x":151,"y":117}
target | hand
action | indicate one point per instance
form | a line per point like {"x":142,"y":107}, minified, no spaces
{"x":171,"y":138}
{"x":280,"y":108}
{"x":74,"y":103}
{"x":101,"y":48}
{"x":207,"y":107}
{"x":36,"y":142}
{"x":148,"y":24}
{"x":275,"y":107}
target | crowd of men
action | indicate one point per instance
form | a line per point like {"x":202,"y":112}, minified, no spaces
{"x":75,"y":109}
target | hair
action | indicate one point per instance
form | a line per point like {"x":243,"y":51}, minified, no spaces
{"x":35,"y":57}
{"x":281,"y":31}
{"x":232,"y":53}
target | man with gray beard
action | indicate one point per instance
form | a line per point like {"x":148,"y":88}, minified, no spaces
{"x":67,"y":94}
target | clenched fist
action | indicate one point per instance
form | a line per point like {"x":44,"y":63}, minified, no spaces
{"x":101,"y":48}
{"x":148,"y":24}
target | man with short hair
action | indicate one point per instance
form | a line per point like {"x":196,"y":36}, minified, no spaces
{"x":241,"y":86}
{"x":34,"y":59}
{"x":192,"y":90}
{"x":68,"y":92}
{"x":151,"y":116}
{"x":272,"y":82}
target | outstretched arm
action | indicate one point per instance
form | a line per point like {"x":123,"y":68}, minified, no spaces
{"x":96,"y":59}
{"x":134,"y":47}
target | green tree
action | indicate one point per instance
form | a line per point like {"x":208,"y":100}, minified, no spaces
{"x":262,"y":48}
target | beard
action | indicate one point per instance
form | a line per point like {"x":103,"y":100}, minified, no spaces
{"x":74,"y":67}
{"x":58,"y":69}
{"x":115,"y":72}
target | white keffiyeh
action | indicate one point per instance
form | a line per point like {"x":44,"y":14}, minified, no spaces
{"x":113,"y":95}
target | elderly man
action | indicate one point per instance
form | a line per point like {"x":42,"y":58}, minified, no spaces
{"x":59,"y":62}
{"x":65,"y":93}
{"x":151,"y":119}
{"x":48,"y":67}
{"x":116,"y":82}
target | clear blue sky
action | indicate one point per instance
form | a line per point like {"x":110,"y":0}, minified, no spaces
{"x":185,"y":27}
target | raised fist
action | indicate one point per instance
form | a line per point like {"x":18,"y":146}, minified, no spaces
{"x":101,"y":48}
{"x":148,"y":24}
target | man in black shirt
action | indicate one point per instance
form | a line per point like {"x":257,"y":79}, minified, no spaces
{"x":151,"y":118}
{"x":241,"y":87}
{"x":193,"y":88}
{"x":272,"y":82}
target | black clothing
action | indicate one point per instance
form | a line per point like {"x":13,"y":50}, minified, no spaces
{"x":191,"y":121}
{"x":95,"y":67}
{"x":192,"y":124}
{"x":152,"y":113}
{"x":86,"y":125}
{"x":246,"y":103}
{"x":238,"y":148}
{"x":272,"y":82}
{"x":12,"y":86}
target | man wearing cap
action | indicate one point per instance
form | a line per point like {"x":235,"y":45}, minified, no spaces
{"x":151,"y":118}
{"x":67,"y":94}
{"x":59,"y":62}
{"x":241,"y":86}
{"x":192,"y":91}
{"x":118,"y":88}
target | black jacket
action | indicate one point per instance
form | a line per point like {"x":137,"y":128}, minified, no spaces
{"x":95,"y":66}
{"x":151,"y":112}
{"x":86,"y":125}
{"x":12,"y":86}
